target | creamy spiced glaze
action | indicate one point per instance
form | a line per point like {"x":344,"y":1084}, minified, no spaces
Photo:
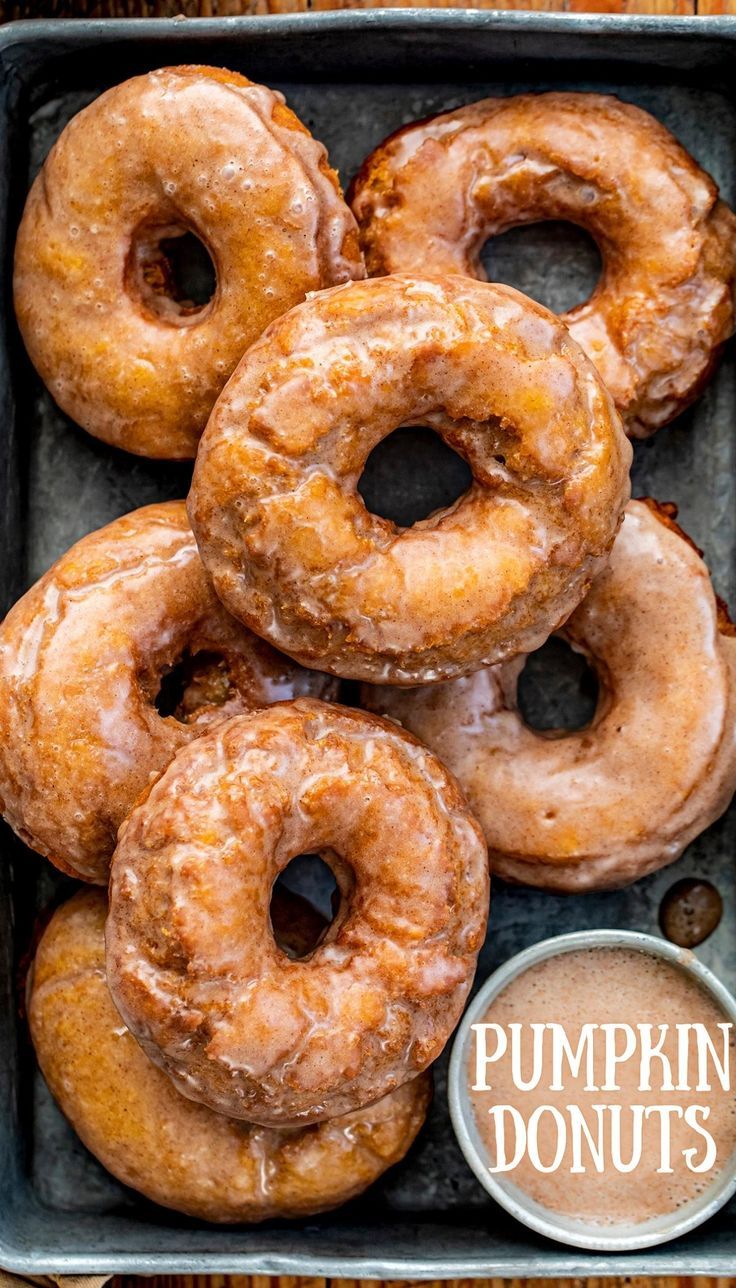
{"x":283,"y":530}
{"x":429,"y":197}
{"x":191,"y":958}
{"x":177,"y":1153}
{"x":604,"y":805}
{"x":183,"y":149}
{"x":82,"y":656}
{"x":583,"y":991}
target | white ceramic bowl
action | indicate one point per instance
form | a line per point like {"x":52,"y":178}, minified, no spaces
{"x":566,"y":1229}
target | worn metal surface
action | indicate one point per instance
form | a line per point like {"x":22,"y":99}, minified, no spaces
{"x":352,"y":77}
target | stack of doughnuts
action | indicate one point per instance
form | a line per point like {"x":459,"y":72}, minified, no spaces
{"x":174,"y":727}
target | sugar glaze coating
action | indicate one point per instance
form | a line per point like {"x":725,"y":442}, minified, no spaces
{"x":191,"y":958}
{"x":602,"y":806}
{"x":178,"y":1153}
{"x":429,"y":197}
{"x":82,"y":655}
{"x":283,"y":530}
{"x":182,"y":149}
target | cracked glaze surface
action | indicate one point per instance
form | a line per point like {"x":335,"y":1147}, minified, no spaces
{"x":430,"y":195}
{"x":602,"y":806}
{"x":192,"y":963}
{"x":193,"y":149}
{"x":178,"y":1153}
{"x":81,"y":659}
{"x":285,"y":535}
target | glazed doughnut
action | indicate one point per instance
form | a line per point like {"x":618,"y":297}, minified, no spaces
{"x":602,"y":806}
{"x":191,"y":959}
{"x":175,"y":1152}
{"x":283,"y":530}
{"x":82,"y":656}
{"x":430,"y":195}
{"x":184,"y":149}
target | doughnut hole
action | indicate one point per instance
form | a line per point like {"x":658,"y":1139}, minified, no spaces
{"x":196,"y":680}
{"x":305,"y":902}
{"x":555,"y":263}
{"x":171,"y":272}
{"x":558,"y":690}
{"x":411,"y":474}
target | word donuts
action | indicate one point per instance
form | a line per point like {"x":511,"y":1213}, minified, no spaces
{"x":84,"y":659}
{"x":429,"y":197}
{"x":177,"y":1153}
{"x":181,"y":150}
{"x":604,"y":805}
{"x":284,"y":533}
{"x":192,"y":963}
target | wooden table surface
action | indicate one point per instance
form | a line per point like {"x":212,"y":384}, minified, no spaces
{"x":288,"y":1281}
{"x":218,"y":8}
{"x":10,"y":9}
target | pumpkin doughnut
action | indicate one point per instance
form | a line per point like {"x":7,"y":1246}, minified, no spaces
{"x":82,"y":656}
{"x":429,"y":196}
{"x":192,"y":963}
{"x":175,"y":1152}
{"x":285,"y":535}
{"x":184,"y":149}
{"x":601,"y":806}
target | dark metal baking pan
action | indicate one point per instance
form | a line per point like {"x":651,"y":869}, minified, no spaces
{"x":353,"y":77}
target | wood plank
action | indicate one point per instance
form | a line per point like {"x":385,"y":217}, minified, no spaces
{"x":711,"y":8}
{"x":264,"y":1281}
{"x":227,"y":8}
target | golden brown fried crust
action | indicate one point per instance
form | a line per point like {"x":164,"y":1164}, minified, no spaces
{"x":82,"y":658}
{"x":285,"y":535}
{"x":666,"y":512}
{"x":429,"y":197}
{"x":600,"y":807}
{"x":191,"y":958}
{"x":175,"y":1152}
{"x":725,"y":625}
{"x":190,"y":149}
